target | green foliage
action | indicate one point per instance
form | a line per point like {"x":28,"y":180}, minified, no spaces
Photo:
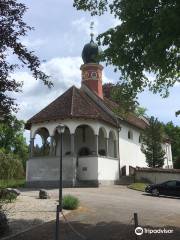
{"x":177,"y":113}
{"x":125,"y":99}
{"x":146,"y":40}
{"x":152,"y":138}
{"x":10,"y":167}
{"x":12,"y":183}
{"x":138,"y":186}
{"x":4,"y":227}
{"x":70,"y":202}
{"x":6,"y":196}
{"x":13,"y":29}
{"x":12,"y":139}
{"x":173,"y":133}
{"x":140,"y":111}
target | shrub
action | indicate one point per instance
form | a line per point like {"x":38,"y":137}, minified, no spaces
{"x":6,"y":196}
{"x":70,"y":202}
{"x":10,"y":166}
{"x":4,"y":227}
{"x":12,"y":183}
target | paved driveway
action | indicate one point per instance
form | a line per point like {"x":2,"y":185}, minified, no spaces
{"x":118,"y":203}
{"x":106,"y":214}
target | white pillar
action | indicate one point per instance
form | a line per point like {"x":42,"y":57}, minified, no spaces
{"x":107,"y":147}
{"x":96,"y":144}
{"x":31,"y":147}
{"x":51,"y":146}
{"x":73,"y":159}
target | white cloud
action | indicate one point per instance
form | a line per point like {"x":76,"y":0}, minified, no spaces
{"x":33,"y":43}
{"x":83,"y":25}
{"x":64,"y":73}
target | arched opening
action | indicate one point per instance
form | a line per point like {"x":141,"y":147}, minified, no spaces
{"x":66,"y":148}
{"x":102,"y":142}
{"x":84,"y":140}
{"x":112,"y":145}
{"x":41,"y":142}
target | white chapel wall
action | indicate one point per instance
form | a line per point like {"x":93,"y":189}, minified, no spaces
{"x":130,"y":149}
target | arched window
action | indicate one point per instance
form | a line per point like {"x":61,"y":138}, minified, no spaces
{"x":130,"y":134}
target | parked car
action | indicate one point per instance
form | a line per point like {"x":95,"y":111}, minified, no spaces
{"x":171,"y":188}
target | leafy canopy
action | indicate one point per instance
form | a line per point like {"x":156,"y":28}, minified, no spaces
{"x":12,"y":140}
{"x":173,"y":133}
{"x":12,"y":30}
{"x":147,"y":40}
{"x":151,"y":143}
{"x":125,"y":98}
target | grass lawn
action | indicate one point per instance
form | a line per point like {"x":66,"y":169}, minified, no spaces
{"x":12,"y":183}
{"x":138,"y":186}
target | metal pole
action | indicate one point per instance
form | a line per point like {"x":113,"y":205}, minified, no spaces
{"x":59,"y":206}
{"x":60,"y":182}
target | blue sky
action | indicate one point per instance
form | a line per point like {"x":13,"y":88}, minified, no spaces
{"x":59,"y":36}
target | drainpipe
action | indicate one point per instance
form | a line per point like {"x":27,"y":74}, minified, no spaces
{"x":119,"y":159}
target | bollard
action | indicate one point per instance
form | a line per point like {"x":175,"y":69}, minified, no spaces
{"x":136,"y":220}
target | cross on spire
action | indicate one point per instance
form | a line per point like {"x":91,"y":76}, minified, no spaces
{"x":92,"y":28}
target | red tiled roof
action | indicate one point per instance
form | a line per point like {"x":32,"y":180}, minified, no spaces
{"x":130,"y":118}
{"x":74,"y":103}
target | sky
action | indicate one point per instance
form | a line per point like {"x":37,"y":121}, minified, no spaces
{"x":58,"y":39}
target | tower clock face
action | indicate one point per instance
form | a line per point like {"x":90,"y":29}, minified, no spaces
{"x":94,"y":75}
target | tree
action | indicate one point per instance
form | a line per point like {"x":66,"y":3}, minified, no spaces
{"x":173,"y":133}
{"x":147,"y":40}
{"x":12,"y":140}
{"x":12,"y":30}
{"x":125,"y":99}
{"x":151,"y":143}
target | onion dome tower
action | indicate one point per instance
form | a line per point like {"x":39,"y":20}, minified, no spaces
{"x":91,"y":69}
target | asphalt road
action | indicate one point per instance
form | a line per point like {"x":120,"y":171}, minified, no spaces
{"x":106,"y":214}
{"x":118,"y":203}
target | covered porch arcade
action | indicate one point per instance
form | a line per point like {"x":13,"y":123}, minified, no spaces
{"x":90,"y":153}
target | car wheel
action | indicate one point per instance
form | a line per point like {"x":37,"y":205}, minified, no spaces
{"x":155,"y":192}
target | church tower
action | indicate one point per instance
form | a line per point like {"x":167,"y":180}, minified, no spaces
{"x":91,"y":69}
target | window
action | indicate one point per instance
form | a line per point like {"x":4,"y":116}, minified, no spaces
{"x":130,"y":134}
{"x":171,"y":184}
{"x":178,"y":183}
{"x":140,"y":139}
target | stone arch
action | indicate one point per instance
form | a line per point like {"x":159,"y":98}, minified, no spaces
{"x":66,"y":149}
{"x":112,"y":144}
{"x":102,"y":141}
{"x":84,"y":140}
{"x":41,"y":142}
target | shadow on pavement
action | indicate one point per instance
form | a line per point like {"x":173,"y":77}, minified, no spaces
{"x":99,"y":231}
{"x":161,"y":196}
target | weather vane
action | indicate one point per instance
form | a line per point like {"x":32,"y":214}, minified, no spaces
{"x":92,"y":28}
